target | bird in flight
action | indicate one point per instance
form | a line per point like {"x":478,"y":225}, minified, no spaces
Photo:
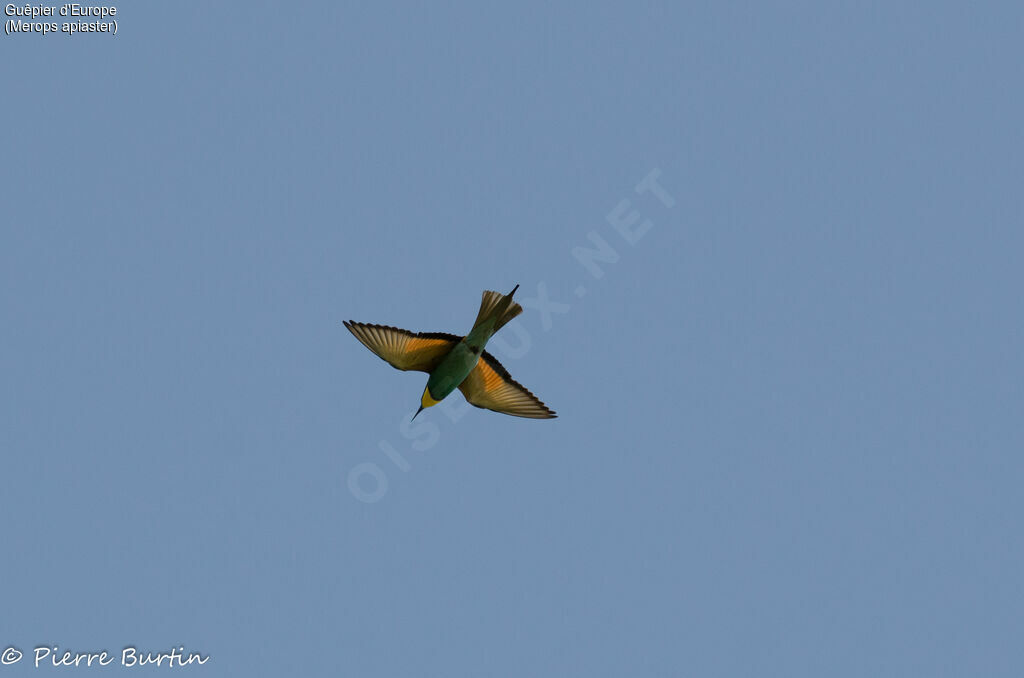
{"x":458,"y":362}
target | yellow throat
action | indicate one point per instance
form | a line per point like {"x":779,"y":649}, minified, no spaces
{"x":426,"y":400}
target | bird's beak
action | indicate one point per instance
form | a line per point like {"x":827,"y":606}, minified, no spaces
{"x":417,"y":413}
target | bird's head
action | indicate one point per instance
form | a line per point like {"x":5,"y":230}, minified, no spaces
{"x":425,"y":402}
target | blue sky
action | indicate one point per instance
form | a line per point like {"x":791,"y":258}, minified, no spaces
{"x":789,"y":435}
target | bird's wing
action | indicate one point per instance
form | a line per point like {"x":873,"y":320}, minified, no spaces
{"x":490,"y":386}
{"x":402,"y":348}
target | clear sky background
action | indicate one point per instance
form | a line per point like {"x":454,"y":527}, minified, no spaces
{"x":790,"y":415}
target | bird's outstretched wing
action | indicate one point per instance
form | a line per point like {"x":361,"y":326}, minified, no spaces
{"x":402,"y":348}
{"x":491,"y":387}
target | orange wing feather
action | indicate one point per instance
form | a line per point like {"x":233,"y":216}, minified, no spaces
{"x":491,"y":387}
{"x":403,"y":349}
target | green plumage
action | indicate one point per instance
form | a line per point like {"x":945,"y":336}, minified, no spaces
{"x":452,"y":371}
{"x":495,"y":311}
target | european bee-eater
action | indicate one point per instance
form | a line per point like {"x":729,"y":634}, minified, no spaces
{"x":458,"y":362}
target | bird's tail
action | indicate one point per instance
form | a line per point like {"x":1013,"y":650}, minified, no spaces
{"x":498,"y":308}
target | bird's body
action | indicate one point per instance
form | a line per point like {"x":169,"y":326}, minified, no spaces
{"x":458,"y":362}
{"x":452,"y":371}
